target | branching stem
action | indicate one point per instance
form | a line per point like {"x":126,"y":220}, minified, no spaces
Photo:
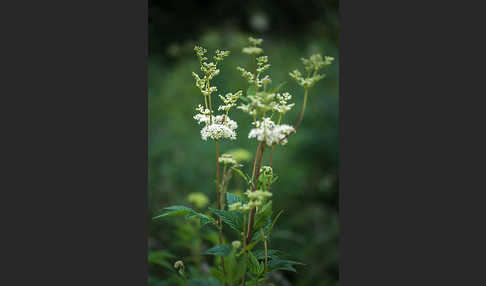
{"x":300,"y":117}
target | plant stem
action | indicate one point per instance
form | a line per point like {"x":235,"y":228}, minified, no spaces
{"x":300,"y":117}
{"x":255,"y":161}
{"x":266,"y":252}
{"x":220,"y":226}
{"x":252,"y":211}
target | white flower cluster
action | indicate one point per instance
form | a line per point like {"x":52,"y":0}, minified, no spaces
{"x":282,"y":107}
{"x":266,"y":130}
{"x":217,"y":127}
{"x":217,"y":131}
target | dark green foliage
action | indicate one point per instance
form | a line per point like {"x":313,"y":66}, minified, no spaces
{"x":161,"y":258}
{"x":232,"y":218}
{"x":277,"y":264}
{"x":180,"y":163}
{"x":262,"y":215}
{"x":219,"y":250}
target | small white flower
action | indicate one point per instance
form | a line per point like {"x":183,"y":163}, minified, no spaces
{"x":217,"y":131}
{"x":266,"y":130}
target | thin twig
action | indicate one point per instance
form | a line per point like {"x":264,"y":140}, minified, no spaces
{"x":300,"y":117}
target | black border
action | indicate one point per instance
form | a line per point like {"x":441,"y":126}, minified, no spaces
{"x":76,"y":88}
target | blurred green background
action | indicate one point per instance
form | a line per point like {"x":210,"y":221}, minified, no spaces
{"x":181,"y":163}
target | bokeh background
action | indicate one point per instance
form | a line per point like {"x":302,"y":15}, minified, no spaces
{"x":180,"y":163}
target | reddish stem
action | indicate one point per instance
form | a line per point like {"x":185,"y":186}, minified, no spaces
{"x":252,"y":212}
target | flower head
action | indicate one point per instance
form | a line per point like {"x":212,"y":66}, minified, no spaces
{"x":199,"y":199}
{"x":266,"y":130}
{"x":236,"y":244}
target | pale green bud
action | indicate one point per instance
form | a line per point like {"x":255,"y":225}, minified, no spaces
{"x":236,"y":244}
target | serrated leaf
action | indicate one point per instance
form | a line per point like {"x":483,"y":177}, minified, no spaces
{"x":203,"y":218}
{"x":277,"y":264}
{"x":272,"y":254}
{"x":232,"y":218}
{"x":232,"y":198}
{"x":261,"y":215}
{"x":219,"y":250}
{"x":255,"y":266}
{"x":267,"y":228}
{"x":175,"y":210}
{"x":240,"y":173}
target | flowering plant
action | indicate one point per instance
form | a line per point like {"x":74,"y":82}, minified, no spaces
{"x":250,"y":215}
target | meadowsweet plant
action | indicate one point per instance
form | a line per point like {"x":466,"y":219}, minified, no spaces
{"x":246,"y":259}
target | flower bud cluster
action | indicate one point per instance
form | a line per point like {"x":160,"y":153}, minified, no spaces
{"x":246,"y":74}
{"x":229,"y":100}
{"x":255,"y":199}
{"x":312,"y":65}
{"x":227,"y":159}
{"x":253,"y":49}
{"x":282,"y":106}
{"x":262,"y":64}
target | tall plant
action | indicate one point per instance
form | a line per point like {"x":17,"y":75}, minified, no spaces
{"x":251,"y":215}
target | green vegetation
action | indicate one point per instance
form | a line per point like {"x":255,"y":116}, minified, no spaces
{"x":182,"y":166}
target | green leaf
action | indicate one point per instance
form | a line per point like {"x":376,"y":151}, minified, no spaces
{"x":204,"y":218}
{"x":255,"y":266}
{"x":211,"y":281}
{"x":232,"y":218}
{"x":250,"y":91}
{"x":277,"y":264}
{"x":240,"y":173}
{"x":160,"y":258}
{"x":272,"y":254}
{"x":261,"y":215}
{"x":240,"y":268}
{"x":217,"y":273}
{"x":219,"y":250}
{"x":175,"y":210}
{"x":268,"y":229}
